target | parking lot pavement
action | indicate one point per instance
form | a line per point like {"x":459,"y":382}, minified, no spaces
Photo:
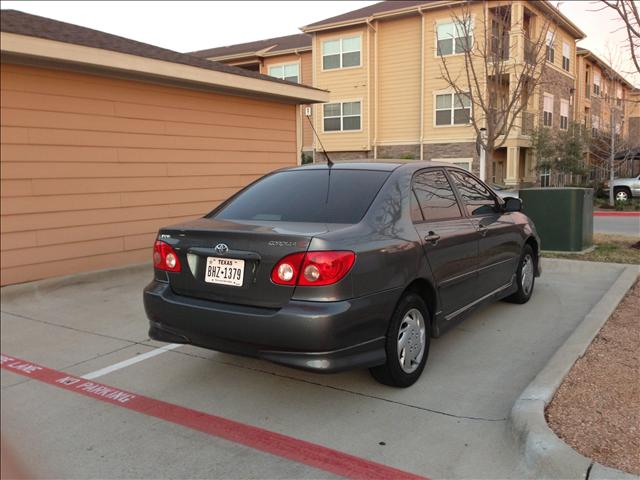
{"x":617,"y":225}
{"x":452,"y":423}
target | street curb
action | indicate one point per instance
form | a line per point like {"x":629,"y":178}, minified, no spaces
{"x":10,"y":292}
{"x":616,"y":214}
{"x":544,"y":452}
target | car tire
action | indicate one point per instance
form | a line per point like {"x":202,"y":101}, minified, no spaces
{"x":410,"y":326}
{"x":621,"y":194}
{"x":525,"y":277}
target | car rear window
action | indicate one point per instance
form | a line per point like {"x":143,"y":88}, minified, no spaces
{"x":316,"y":196}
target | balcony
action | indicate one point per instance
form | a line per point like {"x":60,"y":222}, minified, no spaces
{"x":500,"y":47}
{"x":529,"y":51}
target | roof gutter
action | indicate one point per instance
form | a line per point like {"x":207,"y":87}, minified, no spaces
{"x":69,"y":55}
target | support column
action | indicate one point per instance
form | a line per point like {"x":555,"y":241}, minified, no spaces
{"x":513,"y":159}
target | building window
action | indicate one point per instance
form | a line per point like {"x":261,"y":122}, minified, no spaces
{"x":340,"y":117}
{"x":566,"y":55}
{"x":618,"y":95}
{"x":464,"y":163}
{"x":564,"y":114}
{"x":595,"y":125}
{"x":547,"y":110}
{"x":289,"y":72}
{"x":545,"y":177}
{"x":454,"y":37}
{"x":551,"y":53}
{"x":341,"y":53}
{"x":453,"y":109}
{"x":596,"y":83}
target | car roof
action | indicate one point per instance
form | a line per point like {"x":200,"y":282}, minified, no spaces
{"x":386,"y":165}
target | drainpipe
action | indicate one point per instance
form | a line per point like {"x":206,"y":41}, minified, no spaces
{"x":373,"y":104}
{"x":421,"y":83}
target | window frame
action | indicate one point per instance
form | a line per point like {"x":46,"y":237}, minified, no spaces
{"x":546,"y":174}
{"x":340,"y":40}
{"x":341,"y":103}
{"x":461,"y":210}
{"x":598,"y":84}
{"x":454,"y":161}
{"x":550,"y":47}
{"x":452,"y":109}
{"x":499,"y":202}
{"x":567,"y":57}
{"x":564,"y":102}
{"x":439,"y":23}
{"x":544,"y":112}
{"x":283,"y":65}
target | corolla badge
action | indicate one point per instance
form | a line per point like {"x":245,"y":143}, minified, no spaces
{"x":221,"y":248}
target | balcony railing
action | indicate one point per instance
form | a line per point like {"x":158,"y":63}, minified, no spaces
{"x":528,"y":122}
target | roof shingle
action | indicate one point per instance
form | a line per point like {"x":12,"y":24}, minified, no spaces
{"x":288,"y":42}
{"x":14,"y":21}
{"x":380,"y":7}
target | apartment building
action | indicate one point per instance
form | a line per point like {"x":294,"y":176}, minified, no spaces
{"x":287,"y":58}
{"x":382,"y":66}
{"x":603,"y":95}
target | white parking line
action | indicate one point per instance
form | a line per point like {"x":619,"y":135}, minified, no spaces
{"x":131,"y":361}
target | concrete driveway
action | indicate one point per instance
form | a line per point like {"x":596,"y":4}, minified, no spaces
{"x":451,"y":424}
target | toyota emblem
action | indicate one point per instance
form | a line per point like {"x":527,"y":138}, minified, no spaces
{"x":221,"y":248}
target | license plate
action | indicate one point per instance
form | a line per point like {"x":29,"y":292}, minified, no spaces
{"x":224,"y":271}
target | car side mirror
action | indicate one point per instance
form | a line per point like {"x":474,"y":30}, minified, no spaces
{"x":512,"y":204}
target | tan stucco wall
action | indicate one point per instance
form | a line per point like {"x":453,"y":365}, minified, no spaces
{"x":92,"y":166}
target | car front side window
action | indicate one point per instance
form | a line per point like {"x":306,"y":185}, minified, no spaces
{"x":477,"y":198}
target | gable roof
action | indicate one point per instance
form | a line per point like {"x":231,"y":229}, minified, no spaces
{"x":583,"y":52}
{"x":380,"y":7}
{"x":14,"y":21}
{"x":391,"y":7}
{"x":272,"y":45}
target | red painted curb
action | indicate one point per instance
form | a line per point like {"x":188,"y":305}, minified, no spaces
{"x":300,"y":451}
{"x":616,"y":214}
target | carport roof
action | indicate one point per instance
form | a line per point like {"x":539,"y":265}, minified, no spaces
{"x":24,"y":24}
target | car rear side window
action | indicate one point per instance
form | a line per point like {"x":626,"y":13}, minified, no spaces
{"x":477,"y":198}
{"x":315,"y":196}
{"x":435,"y":195}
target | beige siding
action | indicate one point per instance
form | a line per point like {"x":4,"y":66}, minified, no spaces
{"x":399,"y":80}
{"x":348,"y":84}
{"x":91,"y":167}
{"x":306,"y":78}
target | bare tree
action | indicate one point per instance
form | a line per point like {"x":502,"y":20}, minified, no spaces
{"x":628,"y":13}
{"x":498,"y":74}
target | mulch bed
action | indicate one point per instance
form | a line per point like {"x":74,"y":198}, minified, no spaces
{"x":596,"y":410}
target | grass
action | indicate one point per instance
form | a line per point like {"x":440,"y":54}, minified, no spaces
{"x":630,"y":206}
{"x":608,"y":248}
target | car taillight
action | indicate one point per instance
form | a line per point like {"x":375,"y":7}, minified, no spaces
{"x":165,"y":257}
{"x":313,"y":268}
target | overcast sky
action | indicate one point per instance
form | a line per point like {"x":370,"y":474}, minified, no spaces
{"x":187,"y":26}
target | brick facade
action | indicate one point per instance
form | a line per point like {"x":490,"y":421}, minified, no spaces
{"x":399,"y":151}
{"x":562,"y":87}
{"x":634,"y":131}
{"x":453,"y":150}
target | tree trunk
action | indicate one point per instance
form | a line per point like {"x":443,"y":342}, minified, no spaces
{"x":612,"y":154}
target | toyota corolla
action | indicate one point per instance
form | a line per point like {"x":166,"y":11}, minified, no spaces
{"x":334,"y":267}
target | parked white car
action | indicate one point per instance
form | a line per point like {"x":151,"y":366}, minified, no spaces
{"x":503,"y":192}
{"x":624,"y":189}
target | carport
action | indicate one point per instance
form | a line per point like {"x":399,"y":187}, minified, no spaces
{"x":105,"y":139}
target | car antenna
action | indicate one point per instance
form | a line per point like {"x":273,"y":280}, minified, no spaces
{"x":329,"y":161}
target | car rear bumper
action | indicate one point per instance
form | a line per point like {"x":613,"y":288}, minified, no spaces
{"x":316,"y":336}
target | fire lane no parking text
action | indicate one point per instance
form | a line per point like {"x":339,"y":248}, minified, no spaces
{"x":297,"y":450}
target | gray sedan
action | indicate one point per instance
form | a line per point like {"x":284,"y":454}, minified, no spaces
{"x":333,"y":267}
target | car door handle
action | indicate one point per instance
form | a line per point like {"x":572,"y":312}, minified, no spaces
{"x":432,"y":238}
{"x":482,"y":230}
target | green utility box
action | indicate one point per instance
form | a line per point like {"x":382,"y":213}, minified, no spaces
{"x":563,"y":216}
